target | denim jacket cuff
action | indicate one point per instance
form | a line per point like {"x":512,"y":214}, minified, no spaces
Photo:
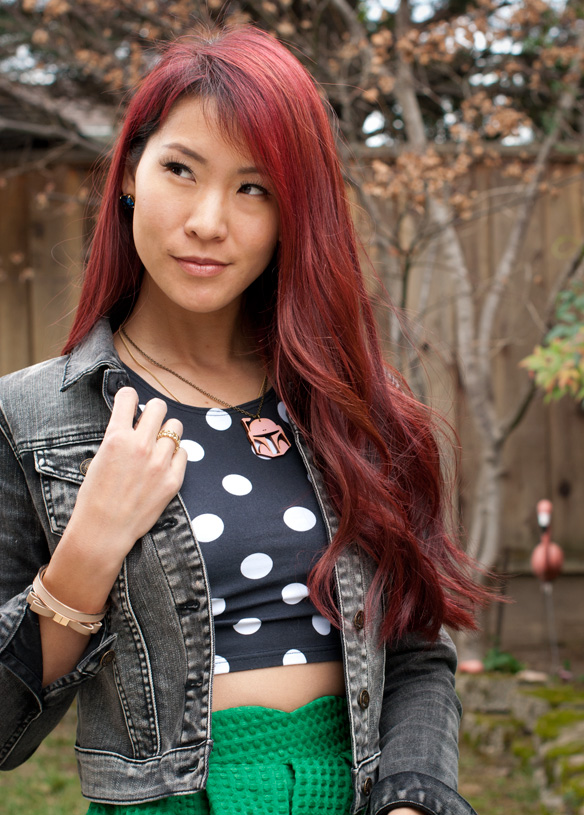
{"x":417,"y":790}
{"x":21,"y":654}
{"x":28,"y":711}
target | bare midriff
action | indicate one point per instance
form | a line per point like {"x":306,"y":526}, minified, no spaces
{"x":285,"y":687}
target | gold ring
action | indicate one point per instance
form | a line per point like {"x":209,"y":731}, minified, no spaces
{"x":169,"y":434}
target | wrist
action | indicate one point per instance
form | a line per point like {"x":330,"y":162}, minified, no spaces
{"x":80,"y":574}
{"x":43,"y":603}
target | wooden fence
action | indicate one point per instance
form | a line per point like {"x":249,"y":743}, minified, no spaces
{"x":544,"y":457}
{"x":43,"y":239}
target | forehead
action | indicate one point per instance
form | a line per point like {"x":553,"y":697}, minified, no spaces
{"x":193,"y":120}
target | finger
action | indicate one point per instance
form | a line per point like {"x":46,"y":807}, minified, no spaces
{"x":151,"y":418}
{"x":169,"y":443}
{"x":179,"y":464}
{"x":124,"y":409}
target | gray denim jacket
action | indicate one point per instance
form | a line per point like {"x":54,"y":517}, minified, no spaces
{"x":144,"y":682}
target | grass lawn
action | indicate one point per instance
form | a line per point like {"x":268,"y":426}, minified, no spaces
{"x":47,"y":784}
{"x":495,"y":786}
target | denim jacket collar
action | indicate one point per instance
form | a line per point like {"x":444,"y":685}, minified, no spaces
{"x":96,"y":351}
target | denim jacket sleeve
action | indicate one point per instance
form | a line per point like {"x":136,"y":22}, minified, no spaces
{"x":419,"y":727}
{"x":27,"y":711}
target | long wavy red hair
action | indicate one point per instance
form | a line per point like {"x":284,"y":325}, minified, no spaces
{"x":372,"y":441}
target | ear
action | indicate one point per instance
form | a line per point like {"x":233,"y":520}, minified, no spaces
{"x":129,"y":182}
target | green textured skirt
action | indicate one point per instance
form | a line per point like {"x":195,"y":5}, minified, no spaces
{"x":268,"y":762}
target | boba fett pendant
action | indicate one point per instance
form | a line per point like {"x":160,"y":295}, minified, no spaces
{"x":266,"y":437}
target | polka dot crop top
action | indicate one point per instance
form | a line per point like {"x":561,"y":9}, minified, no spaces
{"x":260,"y":530}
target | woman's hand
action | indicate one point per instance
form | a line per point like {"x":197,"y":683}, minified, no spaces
{"x":130,"y":481}
{"x":133,"y":476}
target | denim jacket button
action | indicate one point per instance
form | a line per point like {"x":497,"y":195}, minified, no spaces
{"x":364,"y":699}
{"x":107,"y":658}
{"x":84,"y":466}
{"x":359,"y":620}
{"x":367,"y":786}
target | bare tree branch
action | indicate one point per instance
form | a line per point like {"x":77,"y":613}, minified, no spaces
{"x":519,"y":230}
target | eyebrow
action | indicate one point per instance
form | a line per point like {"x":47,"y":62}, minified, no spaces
{"x":198,"y":157}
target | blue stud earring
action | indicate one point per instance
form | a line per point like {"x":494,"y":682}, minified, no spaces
{"x":127,"y":200}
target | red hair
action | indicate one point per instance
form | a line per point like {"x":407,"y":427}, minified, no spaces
{"x":371,"y":440}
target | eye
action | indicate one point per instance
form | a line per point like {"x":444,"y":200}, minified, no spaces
{"x":253,"y":189}
{"x":178,"y":168}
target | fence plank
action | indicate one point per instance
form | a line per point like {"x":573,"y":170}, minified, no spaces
{"x":56,"y":247}
{"x":14,"y":290}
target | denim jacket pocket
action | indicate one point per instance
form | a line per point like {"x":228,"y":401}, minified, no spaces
{"x":62,"y":469}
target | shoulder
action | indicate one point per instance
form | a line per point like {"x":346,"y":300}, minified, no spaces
{"x":62,"y":399}
{"x":33,"y":405}
{"x":32,"y":382}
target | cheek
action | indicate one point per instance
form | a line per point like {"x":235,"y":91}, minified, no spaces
{"x":264,"y":236}
{"x":153,"y":207}
{"x":153,"y":220}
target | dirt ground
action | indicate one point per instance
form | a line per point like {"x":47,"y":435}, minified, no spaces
{"x":524,"y":627}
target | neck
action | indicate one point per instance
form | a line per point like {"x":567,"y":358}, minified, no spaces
{"x":200,"y":341}
{"x":209,"y":350}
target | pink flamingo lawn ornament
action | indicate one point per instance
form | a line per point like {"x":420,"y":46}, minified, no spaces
{"x":547,"y":560}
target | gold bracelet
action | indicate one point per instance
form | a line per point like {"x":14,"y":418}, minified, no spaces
{"x":42,"y":602}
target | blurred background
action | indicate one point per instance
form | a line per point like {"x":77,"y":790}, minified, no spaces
{"x":461,"y":132}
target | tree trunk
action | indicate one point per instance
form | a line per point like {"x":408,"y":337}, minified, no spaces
{"x":484,"y":535}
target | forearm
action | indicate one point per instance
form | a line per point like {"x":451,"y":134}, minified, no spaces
{"x":421,"y":711}
{"x":418,"y":731}
{"x":79,"y":577}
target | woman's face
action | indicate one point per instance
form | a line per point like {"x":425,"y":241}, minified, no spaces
{"x":205,"y":219}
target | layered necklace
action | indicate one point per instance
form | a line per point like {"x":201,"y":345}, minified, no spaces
{"x":265,"y":436}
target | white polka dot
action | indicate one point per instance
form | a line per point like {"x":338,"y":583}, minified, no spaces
{"x":293,"y":657}
{"x":294,"y":592}
{"x":282,"y":412}
{"x":249,"y":625}
{"x":207,"y":527}
{"x":237,"y":484}
{"x":321,"y":625}
{"x":218,"y":419}
{"x":221,"y":665}
{"x":194,"y":450}
{"x":256,"y":566}
{"x":257,"y":455}
{"x":218,"y":605}
{"x":142,"y":407}
{"x":299,"y":519}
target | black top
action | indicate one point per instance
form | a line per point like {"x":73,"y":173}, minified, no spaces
{"x":260,"y":529}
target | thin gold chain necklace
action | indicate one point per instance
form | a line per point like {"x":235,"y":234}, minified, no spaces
{"x":148,"y":371}
{"x":265,"y":436}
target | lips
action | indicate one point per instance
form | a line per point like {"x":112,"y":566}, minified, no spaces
{"x":201,"y":267}
{"x":204,"y":261}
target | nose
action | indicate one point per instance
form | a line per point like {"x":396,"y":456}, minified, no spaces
{"x":207,"y":216}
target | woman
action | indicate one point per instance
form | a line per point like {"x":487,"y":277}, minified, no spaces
{"x":223,"y":304}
